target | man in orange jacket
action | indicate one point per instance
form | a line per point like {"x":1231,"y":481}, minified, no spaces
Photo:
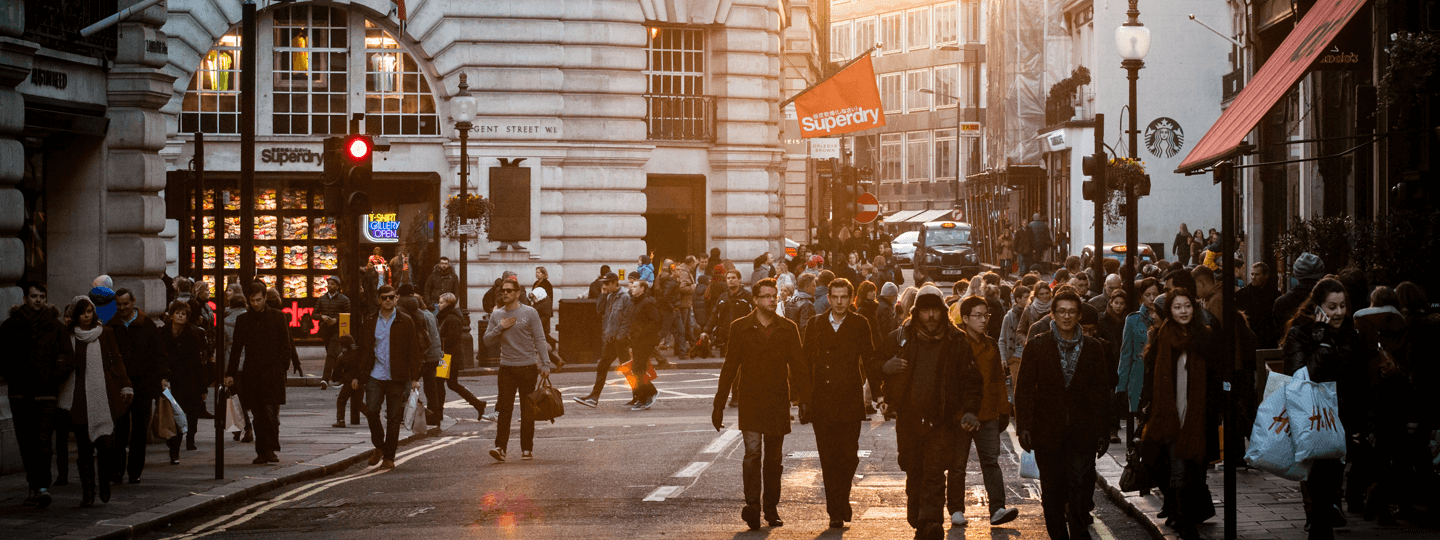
{"x":994,"y":416}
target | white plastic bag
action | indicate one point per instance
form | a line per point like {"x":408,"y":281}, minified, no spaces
{"x":1028,"y":468}
{"x":1271,"y":449}
{"x":414,"y":419}
{"x":181,"y":425}
{"x":1315,"y":413}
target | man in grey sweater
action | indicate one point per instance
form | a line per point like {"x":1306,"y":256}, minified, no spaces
{"x":524,"y":355}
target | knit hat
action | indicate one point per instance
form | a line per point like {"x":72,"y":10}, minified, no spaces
{"x":930,"y":297}
{"x":104,"y":300}
{"x":1088,"y":314}
{"x":1308,"y":267}
{"x":889,"y":290}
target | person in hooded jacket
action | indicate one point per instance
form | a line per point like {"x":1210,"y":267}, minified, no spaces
{"x":934,"y":389}
{"x":93,"y":396}
{"x":452,"y":340}
{"x":33,"y":369}
{"x":148,"y":367}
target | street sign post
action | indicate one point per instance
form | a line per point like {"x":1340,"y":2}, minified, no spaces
{"x":868,"y":208}
{"x":969,"y":129}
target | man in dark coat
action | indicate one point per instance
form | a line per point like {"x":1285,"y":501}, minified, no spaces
{"x":1062,"y":412}
{"x":34,"y":368}
{"x":766,"y":353}
{"x":732,"y":304}
{"x":390,"y":360}
{"x":148,"y":365}
{"x":442,"y":280}
{"x":263,"y":336}
{"x":932,"y":384}
{"x":837,"y":347}
{"x":1257,"y":301}
{"x":328,"y":308}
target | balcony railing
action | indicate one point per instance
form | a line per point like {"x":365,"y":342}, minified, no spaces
{"x":680,"y":118}
{"x":56,"y":24}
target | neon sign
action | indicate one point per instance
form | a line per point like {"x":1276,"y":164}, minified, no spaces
{"x":382,"y":228}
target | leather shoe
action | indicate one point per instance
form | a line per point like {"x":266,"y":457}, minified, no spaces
{"x":260,"y":460}
{"x":375,"y":457}
{"x":775,"y":522}
{"x":836,"y":524}
{"x":134,"y":480}
{"x":387,"y":464}
{"x":104,"y":492}
{"x":272,"y":458}
{"x":751,"y":515}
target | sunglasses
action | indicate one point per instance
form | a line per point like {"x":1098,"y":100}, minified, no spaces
{"x":389,"y":296}
{"x":509,"y":290}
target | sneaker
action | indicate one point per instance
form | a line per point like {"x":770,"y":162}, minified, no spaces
{"x":30,"y":500}
{"x":497,"y":453}
{"x":643,"y":405}
{"x":1003,"y":516}
{"x":527,"y":455}
{"x":588,"y":401}
{"x":42,"y":499}
{"x":339,"y":424}
{"x":491,"y":417}
{"x":324,"y":385}
{"x":958,"y":519}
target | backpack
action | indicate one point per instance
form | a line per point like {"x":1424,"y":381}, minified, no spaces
{"x":794,"y":305}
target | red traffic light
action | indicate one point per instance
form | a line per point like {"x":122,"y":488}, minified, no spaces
{"x":358,"y":148}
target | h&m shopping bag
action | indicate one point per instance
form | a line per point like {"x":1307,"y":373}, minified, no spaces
{"x":1315,"y":418}
{"x":1271,"y":449}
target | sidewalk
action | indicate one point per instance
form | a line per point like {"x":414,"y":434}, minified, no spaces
{"x":1268,"y":507}
{"x":310,"y":449}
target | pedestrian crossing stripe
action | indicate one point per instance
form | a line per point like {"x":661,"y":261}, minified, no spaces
{"x":804,"y":454}
{"x":662,"y":492}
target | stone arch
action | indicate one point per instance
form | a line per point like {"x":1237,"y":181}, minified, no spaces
{"x":702,"y":12}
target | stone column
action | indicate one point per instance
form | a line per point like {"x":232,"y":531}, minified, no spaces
{"x":137,"y":88}
{"x":15,"y":61}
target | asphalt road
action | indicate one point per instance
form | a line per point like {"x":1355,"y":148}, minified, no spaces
{"x":611,"y":473}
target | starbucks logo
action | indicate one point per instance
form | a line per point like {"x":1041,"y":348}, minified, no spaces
{"x":1164,"y":138}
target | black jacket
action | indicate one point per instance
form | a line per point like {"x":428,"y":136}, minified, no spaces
{"x":772,"y":373}
{"x":405,"y":354}
{"x":332,"y":307}
{"x":146,"y":361}
{"x":187,"y":363}
{"x":837,"y":362}
{"x":645,"y":327}
{"x":440,"y":282}
{"x":1056,"y":414}
{"x":1337,"y":356}
{"x":33,"y":365}
{"x":727,"y":309}
{"x":452,"y":331}
{"x":961,"y":387}
{"x":264,"y":338}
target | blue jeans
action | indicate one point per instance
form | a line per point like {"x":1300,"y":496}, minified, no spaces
{"x":393,"y":394}
{"x":987,"y":446}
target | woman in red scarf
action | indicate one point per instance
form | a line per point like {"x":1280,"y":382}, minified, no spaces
{"x":1175,"y":402}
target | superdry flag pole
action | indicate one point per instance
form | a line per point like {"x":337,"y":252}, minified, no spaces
{"x":846,"y":102}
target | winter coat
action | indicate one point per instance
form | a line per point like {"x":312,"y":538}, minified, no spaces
{"x":546,"y":307}
{"x":1131,"y":369}
{"x":988,"y":368}
{"x":1338,"y":356}
{"x":666,"y":294}
{"x":331,"y":306}
{"x":146,"y":362}
{"x":187,"y":365}
{"x":800,"y":308}
{"x":697,"y":303}
{"x":617,"y":312}
{"x":33,"y":365}
{"x":758,"y":274}
{"x":402,"y":270}
{"x":645,"y":328}
{"x":406,"y":358}
{"x":838,"y":362}
{"x":1040,"y":238}
{"x":727,"y":308}
{"x":1182,"y":247}
{"x":427,"y":332}
{"x":452,"y":331}
{"x":264,"y":339}
{"x":959,"y":386}
{"x":116,"y":379}
{"x":646,"y":272}
{"x":441,"y":282}
{"x":1054,"y":413}
{"x":772,"y":373}
{"x":1203,"y":400}
{"x":1012,"y":341}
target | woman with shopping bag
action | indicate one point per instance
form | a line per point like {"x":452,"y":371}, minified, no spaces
{"x":1177,"y":398}
{"x":1322,"y":338}
{"x":185,"y":344}
{"x":94,"y":395}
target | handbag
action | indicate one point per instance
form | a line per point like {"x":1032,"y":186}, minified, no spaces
{"x":1028,"y":468}
{"x":546,"y":400}
{"x":1134,"y":478}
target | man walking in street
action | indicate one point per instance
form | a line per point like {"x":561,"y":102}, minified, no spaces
{"x":644,"y":337}
{"x":389,"y":368}
{"x":837,"y":347}
{"x":262,"y":335}
{"x":732,"y":304}
{"x":328,"y":308}
{"x":1062,"y":412}
{"x":524,"y":356}
{"x":993,"y":416}
{"x":767,"y":354}
{"x":616,"y":313}
{"x":148,"y":365}
{"x":33,"y":369}
{"x":442,"y":280}
{"x":1040,"y":240}
{"x":932,"y":386}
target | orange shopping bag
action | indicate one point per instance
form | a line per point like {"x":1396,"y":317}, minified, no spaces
{"x":630,"y":378}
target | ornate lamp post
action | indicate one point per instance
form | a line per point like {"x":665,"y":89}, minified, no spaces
{"x":1133,"y":41}
{"x":464,"y":113}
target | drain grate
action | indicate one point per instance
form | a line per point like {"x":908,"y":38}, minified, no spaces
{"x":317,"y":503}
{"x":380,"y":514}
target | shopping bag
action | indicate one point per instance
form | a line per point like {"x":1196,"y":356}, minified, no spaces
{"x":546,"y":401}
{"x":1271,"y":449}
{"x":650,"y":374}
{"x":182,"y":426}
{"x":162,"y":421}
{"x":1315,"y":413}
{"x":234,"y":415}
{"x":443,"y":370}
{"x":1028,"y":468}
{"x":415,"y":420}
{"x":413,"y":406}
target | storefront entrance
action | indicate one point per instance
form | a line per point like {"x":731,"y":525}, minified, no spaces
{"x":675,"y":216}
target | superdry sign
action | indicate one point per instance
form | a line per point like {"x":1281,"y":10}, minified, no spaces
{"x":847,"y":102}
{"x":284,"y":155}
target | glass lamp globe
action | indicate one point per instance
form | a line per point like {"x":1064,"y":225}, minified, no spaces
{"x":1133,"y":42}
{"x":464,"y":104}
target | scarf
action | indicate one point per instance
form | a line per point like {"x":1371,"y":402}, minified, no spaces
{"x":97,"y":399}
{"x":1037,"y":310}
{"x":927,"y":336}
{"x":33,"y":318}
{"x":1165,"y":425}
{"x":1069,"y":351}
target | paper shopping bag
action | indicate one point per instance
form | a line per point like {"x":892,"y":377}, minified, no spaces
{"x":234,"y":415}
{"x":443,"y":370}
{"x":182,"y":426}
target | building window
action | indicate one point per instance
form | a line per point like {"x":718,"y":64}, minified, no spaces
{"x":310,"y":70}
{"x":212,"y":102}
{"x":840,"y":42}
{"x":945,"y":154}
{"x":947,"y":23}
{"x":678,"y":108}
{"x":917,"y":156}
{"x":865,"y":34}
{"x":397,"y":96}
{"x":970,"y":11}
{"x":892,"y":93}
{"x":945,"y":88}
{"x":892,"y":150}
{"x":891,"y":33}
{"x":915,"y":81}
{"x":918,"y":24}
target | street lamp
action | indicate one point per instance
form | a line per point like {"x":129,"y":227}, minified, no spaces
{"x":464,"y":113}
{"x":1133,"y":41}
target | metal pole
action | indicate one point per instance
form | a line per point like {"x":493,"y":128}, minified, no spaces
{"x":249,"y":44}
{"x":1132,"y":219}
{"x":464,"y":128}
{"x":219,"y":231}
{"x":1225,"y":172}
{"x":1097,"y":255}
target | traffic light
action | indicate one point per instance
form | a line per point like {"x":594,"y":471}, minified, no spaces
{"x":334,"y":174}
{"x":1094,"y":166}
{"x":359,"y":154}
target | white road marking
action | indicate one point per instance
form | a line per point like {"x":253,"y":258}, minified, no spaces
{"x":662,"y":492}
{"x":722,"y":441}
{"x":804,"y":454}
{"x":692,"y":470}
{"x":1101,"y":530}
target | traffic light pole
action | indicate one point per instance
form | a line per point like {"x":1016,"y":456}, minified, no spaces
{"x":249,"y":41}
{"x":1097,"y":255}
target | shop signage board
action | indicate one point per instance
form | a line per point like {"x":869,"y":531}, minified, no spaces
{"x":382,"y":228}
{"x":825,"y":148}
{"x":969,"y":129}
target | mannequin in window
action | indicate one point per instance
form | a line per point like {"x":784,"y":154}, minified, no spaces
{"x":217,"y":68}
{"x":299,"y":61}
{"x":387,"y":68}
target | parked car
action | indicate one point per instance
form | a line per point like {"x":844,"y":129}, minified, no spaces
{"x":945,"y":253}
{"x":902,"y":248}
{"x":1117,"y":251}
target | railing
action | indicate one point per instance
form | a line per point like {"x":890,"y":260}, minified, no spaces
{"x":680,"y":118}
{"x":56,"y":24}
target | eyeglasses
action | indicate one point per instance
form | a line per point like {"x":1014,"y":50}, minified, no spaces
{"x":1066,"y":312}
{"x":389,"y":296}
{"x":507,"y":291}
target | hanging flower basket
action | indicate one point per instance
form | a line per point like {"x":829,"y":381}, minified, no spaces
{"x":473,"y":209}
{"x":1122,"y":172}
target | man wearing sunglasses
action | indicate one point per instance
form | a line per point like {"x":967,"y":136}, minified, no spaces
{"x":524,"y":355}
{"x":390,"y":366}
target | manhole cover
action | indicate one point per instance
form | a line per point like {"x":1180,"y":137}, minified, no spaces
{"x":317,"y":503}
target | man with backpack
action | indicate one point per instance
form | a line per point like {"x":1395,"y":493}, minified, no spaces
{"x":800,"y":307}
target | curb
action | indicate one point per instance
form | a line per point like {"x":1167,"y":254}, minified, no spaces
{"x":146,"y":521}
{"x":1142,"y":508}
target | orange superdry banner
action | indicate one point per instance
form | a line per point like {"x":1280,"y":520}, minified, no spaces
{"x":848,"y":101}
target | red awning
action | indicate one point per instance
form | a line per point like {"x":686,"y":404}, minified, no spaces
{"x":1280,"y":72}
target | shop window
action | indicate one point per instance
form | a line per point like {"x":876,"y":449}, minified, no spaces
{"x":398,"y":100}
{"x":918,"y":24}
{"x":945,"y":86}
{"x":840,"y":41}
{"x":947,"y":23}
{"x":212,"y":103}
{"x":915,"y":81}
{"x":892,"y":150}
{"x":310,"y":70}
{"x":917,"y":156}
{"x":891,"y":33}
